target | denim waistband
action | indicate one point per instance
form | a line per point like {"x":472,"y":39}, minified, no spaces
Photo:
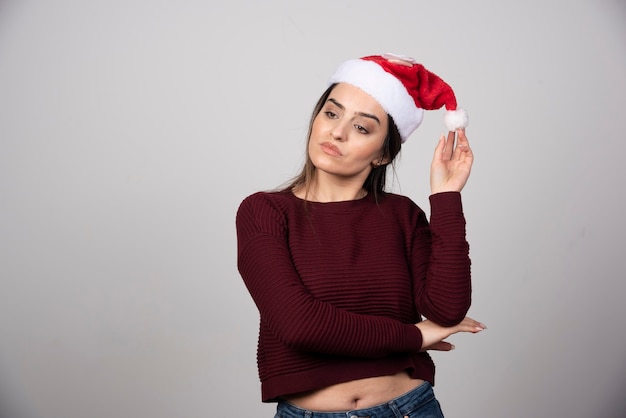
{"x":398,"y":407}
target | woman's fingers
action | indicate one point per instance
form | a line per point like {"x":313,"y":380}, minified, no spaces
{"x":446,"y":147}
{"x":440,"y":149}
{"x":433,"y":334}
{"x":462,"y":138}
{"x":440,"y":346}
{"x":462,"y":148}
{"x":470,"y":325}
{"x":449,"y":150}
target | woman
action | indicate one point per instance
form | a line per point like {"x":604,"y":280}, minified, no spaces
{"x":342,"y":272}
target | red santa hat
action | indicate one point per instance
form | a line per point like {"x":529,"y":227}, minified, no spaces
{"x":403,"y":88}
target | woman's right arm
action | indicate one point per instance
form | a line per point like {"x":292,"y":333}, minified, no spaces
{"x":296,"y":318}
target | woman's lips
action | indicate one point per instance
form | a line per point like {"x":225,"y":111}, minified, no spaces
{"x":330,"y":149}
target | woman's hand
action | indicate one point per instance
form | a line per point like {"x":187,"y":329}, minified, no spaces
{"x":451,"y":164}
{"x":433,"y":335}
{"x":440,"y":346}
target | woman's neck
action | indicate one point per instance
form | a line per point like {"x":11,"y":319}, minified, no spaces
{"x":324,"y":192}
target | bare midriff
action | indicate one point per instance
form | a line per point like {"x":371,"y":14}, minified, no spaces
{"x":356,"y":394}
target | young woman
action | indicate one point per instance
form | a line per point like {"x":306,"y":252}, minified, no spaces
{"x":354,"y":284}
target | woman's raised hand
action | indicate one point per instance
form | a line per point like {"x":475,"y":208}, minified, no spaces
{"x":451,"y":164}
{"x":433,"y":335}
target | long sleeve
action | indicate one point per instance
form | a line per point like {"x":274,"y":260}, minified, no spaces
{"x":286,"y":306}
{"x":441,"y":263}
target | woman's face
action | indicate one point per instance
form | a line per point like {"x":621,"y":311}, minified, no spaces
{"x":348,"y":134}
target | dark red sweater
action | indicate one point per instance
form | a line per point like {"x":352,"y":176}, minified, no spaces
{"x":340,"y":285}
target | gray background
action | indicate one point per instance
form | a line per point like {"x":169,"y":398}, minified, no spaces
{"x":131,"y":130}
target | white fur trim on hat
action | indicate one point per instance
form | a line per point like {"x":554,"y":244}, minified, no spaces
{"x":388,"y":91}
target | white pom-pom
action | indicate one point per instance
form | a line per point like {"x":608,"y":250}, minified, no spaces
{"x":456,"y":119}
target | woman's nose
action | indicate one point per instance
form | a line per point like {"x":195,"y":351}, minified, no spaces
{"x":338,"y":132}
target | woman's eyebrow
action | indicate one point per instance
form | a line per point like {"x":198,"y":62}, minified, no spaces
{"x":367,"y":115}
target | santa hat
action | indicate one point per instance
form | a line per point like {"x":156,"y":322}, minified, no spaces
{"x":403,"y":88}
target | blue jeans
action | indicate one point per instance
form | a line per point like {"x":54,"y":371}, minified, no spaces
{"x":418,"y":403}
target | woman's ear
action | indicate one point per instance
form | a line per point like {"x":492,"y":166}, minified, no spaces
{"x":381,"y":161}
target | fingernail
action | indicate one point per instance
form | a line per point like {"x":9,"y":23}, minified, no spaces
{"x":452,"y":347}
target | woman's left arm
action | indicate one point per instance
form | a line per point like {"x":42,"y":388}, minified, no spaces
{"x":440,"y":262}
{"x":440,"y":254}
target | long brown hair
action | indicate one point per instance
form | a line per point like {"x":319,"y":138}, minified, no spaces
{"x":376,"y":180}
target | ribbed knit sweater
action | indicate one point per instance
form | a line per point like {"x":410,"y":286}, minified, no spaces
{"x":340,"y":285}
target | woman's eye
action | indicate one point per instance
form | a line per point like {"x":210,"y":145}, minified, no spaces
{"x":330,"y":114}
{"x":361,"y":129}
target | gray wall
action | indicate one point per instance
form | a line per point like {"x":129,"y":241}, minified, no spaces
{"x":131,"y":130}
